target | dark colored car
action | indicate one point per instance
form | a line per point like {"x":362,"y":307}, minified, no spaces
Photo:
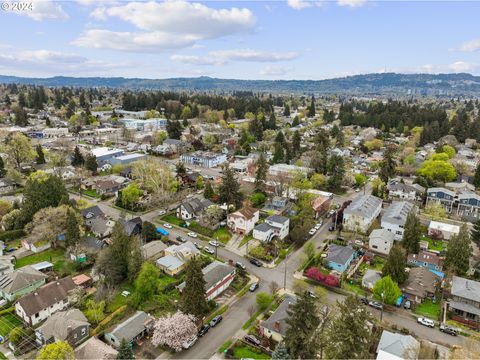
{"x":331,"y":228}
{"x":216,"y":320}
{"x":253,"y":287}
{"x":364,"y":300}
{"x":252,"y":340}
{"x":181,"y":239}
{"x":448,"y":330}
{"x":203,"y":330}
{"x":256,"y":262}
{"x":239,"y":265}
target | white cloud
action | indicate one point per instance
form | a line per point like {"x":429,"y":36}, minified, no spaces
{"x":303,"y":4}
{"x":461,"y":66}
{"x":165,"y":25}
{"x":44,"y":10}
{"x":272,"y":70}
{"x":470,"y":46}
{"x":351,"y":3}
{"x":221,"y":57}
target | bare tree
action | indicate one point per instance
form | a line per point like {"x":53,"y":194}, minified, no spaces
{"x":273,"y":287}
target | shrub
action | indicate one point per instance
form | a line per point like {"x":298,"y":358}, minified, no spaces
{"x":12,"y":235}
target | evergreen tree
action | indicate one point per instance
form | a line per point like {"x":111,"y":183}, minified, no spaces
{"x":395,"y":264}
{"x":286,"y":110}
{"x":21,"y":116}
{"x":387,"y":165}
{"x":72,"y":235}
{"x":194,"y":297}
{"x":300,"y":339}
{"x":21,"y":100}
{"x":272,"y":122}
{"x":91,"y":163}
{"x":311,"y":109}
{"x":174,"y":129}
{"x":296,"y":141}
{"x":336,"y":170}
{"x":476,"y":178}
{"x":208,"y":193}
{"x":459,"y":251}
{"x":70,"y":109}
{"x":229,"y":190}
{"x":40,"y":155}
{"x":280,"y":138}
{"x":349,"y":334}
{"x":77,"y":158}
{"x":281,"y":352}
{"x":296,"y":121}
{"x":3,"y":171}
{"x":278,"y":153}
{"x":125,"y":351}
{"x":261,"y":174}
{"x":48,"y":123}
{"x":475,"y":233}
{"x":411,"y":234}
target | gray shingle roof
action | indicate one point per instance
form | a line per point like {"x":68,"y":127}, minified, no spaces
{"x":263,"y":227}
{"x":278,"y":219}
{"x":363,"y":205}
{"x":398,"y":345}
{"x":20,"y":279}
{"x":131,"y":327}
{"x":397,"y":212}
{"x":466,"y":288}
{"x":339,"y":254}
{"x":58,"y":324}
{"x":277,"y":321}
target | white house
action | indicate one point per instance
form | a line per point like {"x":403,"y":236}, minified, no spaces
{"x":398,"y":190}
{"x":393,"y":346}
{"x":360,"y":214}
{"x":395,"y":217}
{"x":37,"y":306}
{"x":274,"y":225}
{"x":447,"y":230}
{"x":204,"y":159}
{"x":381,"y":241}
{"x":243,"y":221}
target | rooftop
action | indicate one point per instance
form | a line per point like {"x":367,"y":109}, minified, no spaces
{"x":397,"y":212}
{"x":365,"y":205}
{"x":466,"y":288}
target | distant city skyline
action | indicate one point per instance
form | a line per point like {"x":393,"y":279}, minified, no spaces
{"x":294,"y":39}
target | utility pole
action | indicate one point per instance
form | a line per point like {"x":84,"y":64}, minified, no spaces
{"x":285,"y":274}
{"x":381,"y":311}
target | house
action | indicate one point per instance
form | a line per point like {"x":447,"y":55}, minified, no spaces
{"x":102,"y":227}
{"x":127,"y":159}
{"x":443,"y":196}
{"x":7,"y":186}
{"x":274,"y":225}
{"x":381,"y":241}
{"x":70,"y":326}
{"x":204,"y":159}
{"x":104,"y":154}
{"x":35,"y":307}
{"x":420,"y":285}
{"x":36,"y":246}
{"x":321,"y":204}
{"x":393,"y":346}
{"x":192,"y":209}
{"x":407,"y":192}
{"x":132,"y":226}
{"x":447,"y":230}
{"x":277,"y":203}
{"x":370,"y":278}
{"x":20,"y":282}
{"x":176,"y":145}
{"x":395,"y":217}
{"x":218,"y":277}
{"x":134,"y":328}
{"x":107,"y":187}
{"x":153,"y":250}
{"x":426,"y":259}
{"x":176,"y":256}
{"x":360,"y":214}
{"x":464,"y":302}
{"x":243,"y":221}
{"x":275,"y":327}
{"x":469,"y":206}
{"x":90,"y":213}
{"x":82,"y":280}
{"x":339,"y":257}
{"x":94,"y":348}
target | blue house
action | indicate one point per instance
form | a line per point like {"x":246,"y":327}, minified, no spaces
{"x":339,"y":257}
{"x":441,"y":195}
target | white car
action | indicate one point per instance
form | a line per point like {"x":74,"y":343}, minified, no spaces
{"x":161,"y":212}
{"x":318,"y":225}
{"x":168,"y":226}
{"x":426,"y":321}
{"x":189,"y":343}
{"x":192,"y":234}
{"x":312,"y":231}
{"x":208,"y":250}
{"x":214,"y":243}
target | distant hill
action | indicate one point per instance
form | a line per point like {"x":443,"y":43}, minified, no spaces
{"x":370,"y":84}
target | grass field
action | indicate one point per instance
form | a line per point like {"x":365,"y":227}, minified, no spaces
{"x":222,"y":235}
{"x":51,"y":255}
{"x":434,"y":245}
{"x":172,"y":219}
{"x":428,"y":309}
{"x":353,"y":288}
{"x":7,"y":323}
{"x":248,"y":352}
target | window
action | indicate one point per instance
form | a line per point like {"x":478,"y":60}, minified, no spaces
{"x":375,"y":246}
{"x":84,"y":331}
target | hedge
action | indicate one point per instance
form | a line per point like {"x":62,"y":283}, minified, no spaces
{"x":12,"y":235}
{"x":103,"y":324}
{"x":7,"y":310}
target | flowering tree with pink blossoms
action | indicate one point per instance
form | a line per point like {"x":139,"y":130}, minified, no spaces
{"x":174,"y":330}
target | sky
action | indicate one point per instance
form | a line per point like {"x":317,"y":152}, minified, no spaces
{"x":294,"y":39}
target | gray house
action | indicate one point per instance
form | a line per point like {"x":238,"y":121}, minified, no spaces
{"x":397,"y":346}
{"x":71,"y":326}
{"x":395,"y":217}
{"x":464,"y":304}
{"x":192,"y":208}
{"x":20,"y":282}
{"x":132,"y":329}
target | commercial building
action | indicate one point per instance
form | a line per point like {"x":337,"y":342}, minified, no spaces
{"x":204,"y":159}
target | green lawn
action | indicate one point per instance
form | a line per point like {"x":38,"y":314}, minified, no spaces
{"x":7,"y":323}
{"x":51,"y":255}
{"x":222,"y":235}
{"x":225,"y":346}
{"x":245,"y":239}
{"x":434,"y":245}
{"x":429,"y":309}
{"x":355,"y":288}
{"x":172,"y":219}
{"x":119,"y":300}
{"x":248,"y":352}
{"x":91,"y":193}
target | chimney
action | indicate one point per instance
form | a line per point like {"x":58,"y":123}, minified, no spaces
{"x":276,"y":326}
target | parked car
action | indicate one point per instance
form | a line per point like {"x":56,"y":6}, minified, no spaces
{"x":214,"y":243}
{"x":359,"y":242}
{"x":203,"y":330}
{"x":239,"y":265}
{"x":162,"y":212}
{"x":311,"y":294}
{"x":208,"y":250}
{"x":168,"y":226}
{"x":162,"y":231}
{"x":331,"y":228}
{"x":375,"y":304}
{"x":252,"y":340}
{"x":253,"y":287}
{"x":330,"y":213}
{"x":189,"y":343}
{"x":181,"y":239}
{"x":426,"y":321}
{"x":448,"y":329}
{"x":319,"y":225}
{"x":312,"y":231}
{"x":198,"y":246}
{"x":256,"y":262}
{"x":364,"y":300}
{"x":407,"y":305}
{"x":216,"y":320}
{"x":192,"y":234}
